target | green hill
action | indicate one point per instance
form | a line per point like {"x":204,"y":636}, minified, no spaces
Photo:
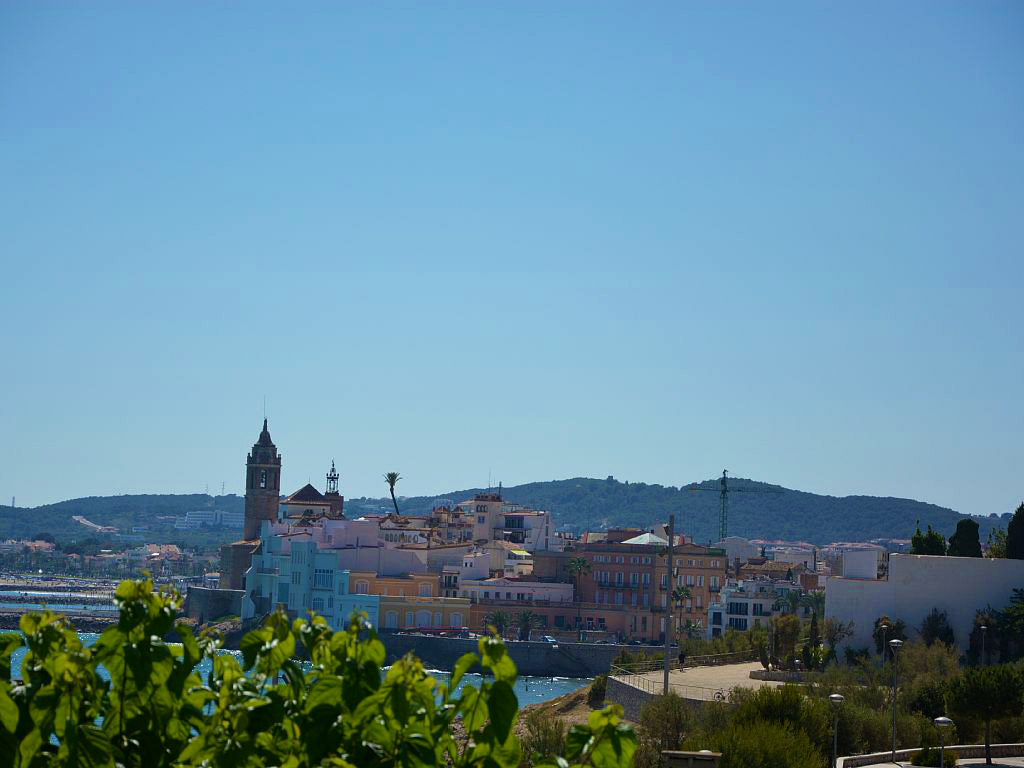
{"x":585,"y":503}
{"x":578,"y":504}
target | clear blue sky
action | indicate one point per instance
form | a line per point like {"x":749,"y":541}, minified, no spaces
{"x":535,"y":239}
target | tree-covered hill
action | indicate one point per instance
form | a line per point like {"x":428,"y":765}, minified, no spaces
{"x":585,"y":503}
{"x":578,"y":504}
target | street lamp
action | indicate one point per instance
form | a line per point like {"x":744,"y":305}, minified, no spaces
{"x":895,"y":645}
{"x":942,"y":723}
{"x":984,"y":629}
{"x":836,"y":699}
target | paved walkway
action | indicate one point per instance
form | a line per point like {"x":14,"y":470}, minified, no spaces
{"x":702,"y":682}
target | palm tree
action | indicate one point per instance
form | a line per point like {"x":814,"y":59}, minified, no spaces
{"x":499,"y":620}
{"x":680,"y":594}
{"x":815,"y":601}
{"x":577,"y":566}
{"x":391,"y":478}
{"x":525,"y":621}
{"x":791,"y":601}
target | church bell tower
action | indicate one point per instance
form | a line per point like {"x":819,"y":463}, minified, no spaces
{"x":262,"y":484}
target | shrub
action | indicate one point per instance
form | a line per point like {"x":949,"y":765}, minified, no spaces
{"x":151,"y":708}
{"x":765,"y":744}
{"x":597,"y":689}
{"x":787,"y":705}
{"x":930,"y":756}
{"x":665,"y":720}
{"x":545,"y":735}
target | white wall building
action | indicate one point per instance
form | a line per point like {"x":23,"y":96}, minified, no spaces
{"x":515,"y":589}
{"x":915,"y":585}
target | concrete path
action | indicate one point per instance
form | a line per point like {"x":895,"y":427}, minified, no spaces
{"x":726,"y":676}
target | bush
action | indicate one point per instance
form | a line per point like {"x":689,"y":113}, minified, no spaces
{"x":930,"y":756}
{"x":787,"y":705}
{"x":596,"y":691}
{"x":136,"y":701}
{"x":665,"y":721}
{"x":545,"y":735}
{"x":765,"y":744}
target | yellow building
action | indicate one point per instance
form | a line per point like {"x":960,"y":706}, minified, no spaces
{"x":399,"y":612}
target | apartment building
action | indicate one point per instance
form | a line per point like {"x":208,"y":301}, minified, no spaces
{"x":746,"y":604}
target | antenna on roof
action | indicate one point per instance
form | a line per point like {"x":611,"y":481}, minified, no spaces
{"x":264,"y":406}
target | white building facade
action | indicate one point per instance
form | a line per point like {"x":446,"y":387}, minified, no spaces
{"x":915,"y":585}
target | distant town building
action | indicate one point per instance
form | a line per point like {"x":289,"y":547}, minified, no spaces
{"x":747,"y":604}
{"x":208,"y":518}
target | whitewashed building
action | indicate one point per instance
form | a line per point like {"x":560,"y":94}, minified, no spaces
{"x":915,"y":584}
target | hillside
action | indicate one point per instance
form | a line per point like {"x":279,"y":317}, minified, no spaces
{"x":578,"y":504}
{"x":586,"y":503}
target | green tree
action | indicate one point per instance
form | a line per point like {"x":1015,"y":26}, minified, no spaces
{"x":526,"y":621}
{"x":885,"y":630}
{"x":986,"y":693}
{"x":835,"y":632}
{"x":965,"y":542}
{"x":498,"y":619}
{"x":935,"y":627}
{"x":577,"y":566}
{"x":813,"y":655}
{"x":931,"y":543}
{"x":391,"y":478}
{"x":997,"y":543}
{"x":787,"y":632}
{"x":1015,"y":535}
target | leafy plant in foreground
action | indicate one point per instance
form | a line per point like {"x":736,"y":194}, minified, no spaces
{"x":135,"y":700}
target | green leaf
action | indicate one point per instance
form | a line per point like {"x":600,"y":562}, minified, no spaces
{"x":326,"y":692}
{"x":503,"y":705}
{"x":93,"y":748}
{"x":8,"y":710}
{"x":462,"y":666}
{"x":473,"y":709}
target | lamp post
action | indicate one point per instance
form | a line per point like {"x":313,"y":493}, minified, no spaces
{"x":942,"y":723}
{"x":984,"y":630}
{"x":837,"y":700}
{"x":885,"y":631}
{"x":895,"y":645}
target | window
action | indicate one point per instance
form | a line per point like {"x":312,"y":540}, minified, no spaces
{"x":689,"y":580}
{"x":323,"y":578}
{"x":391,"y":620}
{"x":263,"y":478}
{"x":362,"y":587}
{"x":634,"y":579}
{"x":296,"y":577}
{"x":318,"y":604}
{"x":410,"y":619}
{"x":282,"y":593}
{"x":647,"y":579}
{"x":426,"y":590}
{"x":664,"y":580}
{"x":714,"y":582}
{"x":456,"y":619}
{"x":618,"y":598}
{"x":618,"y":579}
{"x":481,"y":519}
{"x":634,"y":560}
{"x":620,"y":559}
{"x":700,"y":580}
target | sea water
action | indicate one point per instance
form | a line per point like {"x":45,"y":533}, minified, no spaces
{"x":528,"y":689}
